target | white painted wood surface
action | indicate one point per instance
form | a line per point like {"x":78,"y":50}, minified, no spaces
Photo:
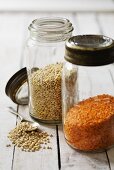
{"x":13,"y":33}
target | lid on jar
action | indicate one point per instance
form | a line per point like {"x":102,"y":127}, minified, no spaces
{"x":17,"y":87}
{"x":90,"y":50}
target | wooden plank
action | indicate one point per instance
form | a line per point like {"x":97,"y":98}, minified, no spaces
{"x":70,"y":158}
{"x":53,"y":5}
{"x":74,"y":160}
{"x":106,"y":24}
{"x":41,"y":160}
{"x":86,"y":23}
{"x":10,"y":40}
{"x":7,"y":123}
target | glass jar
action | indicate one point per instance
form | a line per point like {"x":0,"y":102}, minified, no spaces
{"x":88,"y":92}
{"x":45,"y":53}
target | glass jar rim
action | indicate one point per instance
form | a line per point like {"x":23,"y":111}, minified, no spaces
{"x":50,"y":29}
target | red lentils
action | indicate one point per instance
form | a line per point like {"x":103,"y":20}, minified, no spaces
{"x":89,"y":125}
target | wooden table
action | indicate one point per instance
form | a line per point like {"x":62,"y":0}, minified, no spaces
{"x":13,"y":34}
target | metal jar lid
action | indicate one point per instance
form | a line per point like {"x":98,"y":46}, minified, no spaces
{"x":90,"y":50}
{"x":17,"y":87}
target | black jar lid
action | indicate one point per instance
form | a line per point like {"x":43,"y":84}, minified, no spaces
{"x":17,"y":87}
{"x":90,"y":50}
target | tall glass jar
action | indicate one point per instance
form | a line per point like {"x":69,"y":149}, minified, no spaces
{"x":45,"y":54}
{"x":88,"y":92}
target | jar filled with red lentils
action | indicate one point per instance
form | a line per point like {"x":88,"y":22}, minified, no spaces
{"x":88,"y":92}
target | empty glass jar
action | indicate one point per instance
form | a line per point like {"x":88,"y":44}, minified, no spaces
{"x":88,"y":92}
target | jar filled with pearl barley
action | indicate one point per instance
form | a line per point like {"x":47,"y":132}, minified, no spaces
{"x":45,"y":53}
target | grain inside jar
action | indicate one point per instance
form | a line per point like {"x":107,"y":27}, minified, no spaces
{"x":45,"y":91}
{"x":89,"y":125}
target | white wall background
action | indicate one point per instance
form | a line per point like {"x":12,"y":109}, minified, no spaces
{"x":57,"y":5}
